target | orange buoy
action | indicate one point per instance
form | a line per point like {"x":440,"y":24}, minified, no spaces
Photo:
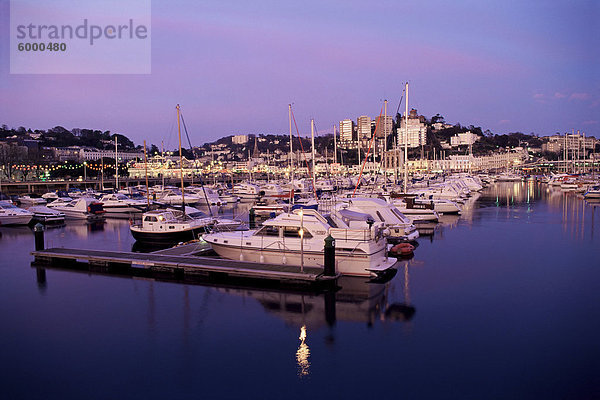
{"x":402,"y":249}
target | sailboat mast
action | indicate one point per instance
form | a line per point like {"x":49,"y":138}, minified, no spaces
{"x":162,"y":150}
{"x":384,"y":157}
{"x":146,"y":170}
{"x":312,"y":134}
{"x":334,"y":146}
{"x":291,"y":158}
{"x":406,"y":141}
{"x":116,"y":166}
{"x":180,"y":162}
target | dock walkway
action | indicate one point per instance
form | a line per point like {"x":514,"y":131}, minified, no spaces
{"x":185,"y":264}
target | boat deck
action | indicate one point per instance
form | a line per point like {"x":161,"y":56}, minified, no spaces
{"x":184,"y":265}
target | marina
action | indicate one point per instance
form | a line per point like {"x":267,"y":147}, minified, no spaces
{"x":459,"y":295}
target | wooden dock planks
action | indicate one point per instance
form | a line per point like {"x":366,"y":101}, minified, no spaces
{"x":186,"y":264}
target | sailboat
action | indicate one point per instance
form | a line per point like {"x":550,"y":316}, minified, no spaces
{"x":169,"y":226}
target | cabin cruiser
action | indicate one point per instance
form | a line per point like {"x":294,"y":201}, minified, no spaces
{"x":246,"y":191}
{"x":400,"y":227}
{"x":167,"y":226}
{"x":174,"y":197}
{"x":508,"y":177}
{"x":82,"y":208}
{"x":206,"y":196}
{"x":593,"y":192}
{"x":31,"y":199}
{"x":47,"y":215}
{"x":298,"y":239}
{"x":416,"y":211}
{"x":440,"y":206}
{"x":213,"y":223}
{"x":117,"y":204}
{"x":13,"y":215}
{"x":51,"y":197}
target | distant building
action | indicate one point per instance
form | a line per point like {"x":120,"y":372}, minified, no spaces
{"x":346,"y":130}
{"x":240,"y":139}
{"x":384,"y":126}
{"x":465,"y":138}
{"x":92,"y":154}
{"x":417,"y":130}
{"x":363,"y":124}
{"x":438,"y":126}
{"x":572,"y":142}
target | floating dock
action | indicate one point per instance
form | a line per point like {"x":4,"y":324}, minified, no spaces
{"x":183,"y":266}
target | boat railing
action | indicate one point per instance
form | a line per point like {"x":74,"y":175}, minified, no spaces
{"x":363,"y":235}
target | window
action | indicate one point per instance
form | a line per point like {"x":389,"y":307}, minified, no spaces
{"x":380,"y":216}
{"x":294,"y":232}
{"x":150,"y":219}
{"x":268,"y":231}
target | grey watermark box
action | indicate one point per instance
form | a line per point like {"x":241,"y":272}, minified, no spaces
{"x":80,"y":37}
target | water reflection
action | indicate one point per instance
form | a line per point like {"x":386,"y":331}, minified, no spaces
{"x":302,"y":354}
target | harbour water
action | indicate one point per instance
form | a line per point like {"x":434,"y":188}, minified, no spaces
{"x":500,"y":302}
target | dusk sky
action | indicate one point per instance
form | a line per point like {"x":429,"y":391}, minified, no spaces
{"x":507,"y":66}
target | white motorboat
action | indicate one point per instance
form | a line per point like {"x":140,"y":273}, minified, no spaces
{"x":440,"y":206}
{"x":593,"y":192}
{"x":82,"y":208}
{"x":206,"y":196}
{"x":47,"y":215}
{"x":298,"y":239}
{"x":174,"y":197}
{"x":213,"y":223}
{"x":31,"y":199}
{"x":508,"y":177}
{"x":51,"y":197}
{"x":414,"y":211}
{"x":246,"y":191}
{"x":13,"y":215}
{"x":400,"y":227}
{"x":167,"y":226}
{"x":119,"y":205}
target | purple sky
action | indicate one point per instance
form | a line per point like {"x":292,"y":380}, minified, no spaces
{"x":234,"y":66}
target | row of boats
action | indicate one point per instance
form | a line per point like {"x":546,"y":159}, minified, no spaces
{"x":362,"y":223}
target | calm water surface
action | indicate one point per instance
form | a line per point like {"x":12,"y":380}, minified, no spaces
{"x":501,"y":302}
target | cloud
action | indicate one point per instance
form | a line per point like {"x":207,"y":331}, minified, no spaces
{"x":590,"y":122}
{"x":538,"y":96}
{"x":559,"y":95}
{"x":579,"y":96}
{"x":503,"y":121}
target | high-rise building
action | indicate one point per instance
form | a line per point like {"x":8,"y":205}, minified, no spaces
{"x":417,"y":130}
{"x":346,"y":130}
{"x":363,"y":124}
{"x":384,"y":125}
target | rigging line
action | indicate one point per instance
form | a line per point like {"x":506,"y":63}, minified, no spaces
{"x":303,"y":155}
{"x":193,"y":165}
{"x":400,"y":102}
{"x":368,"y":152}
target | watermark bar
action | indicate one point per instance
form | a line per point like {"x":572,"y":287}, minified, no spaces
{"x":80,"y":37}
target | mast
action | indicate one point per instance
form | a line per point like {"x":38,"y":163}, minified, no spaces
{"x":102,"y":173}
{"x":334,"y":146}
{"x":116,"y":166}
{"x":162,"y":149}
{"x":291,"y":158}
{"x":146,"y":168}
{"x":406,"y":141}
{"x":385,"y":136}
{"x":180,"y":162}
{"x":312,"y":134}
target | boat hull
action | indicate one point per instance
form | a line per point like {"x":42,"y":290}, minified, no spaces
{"x":167,"y":237}
{"x":355,"y":265}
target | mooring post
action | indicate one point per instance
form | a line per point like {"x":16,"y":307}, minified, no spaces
{"x":252,"y":218}
{"x":38,"y":231}
{"x":329,"y":255}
